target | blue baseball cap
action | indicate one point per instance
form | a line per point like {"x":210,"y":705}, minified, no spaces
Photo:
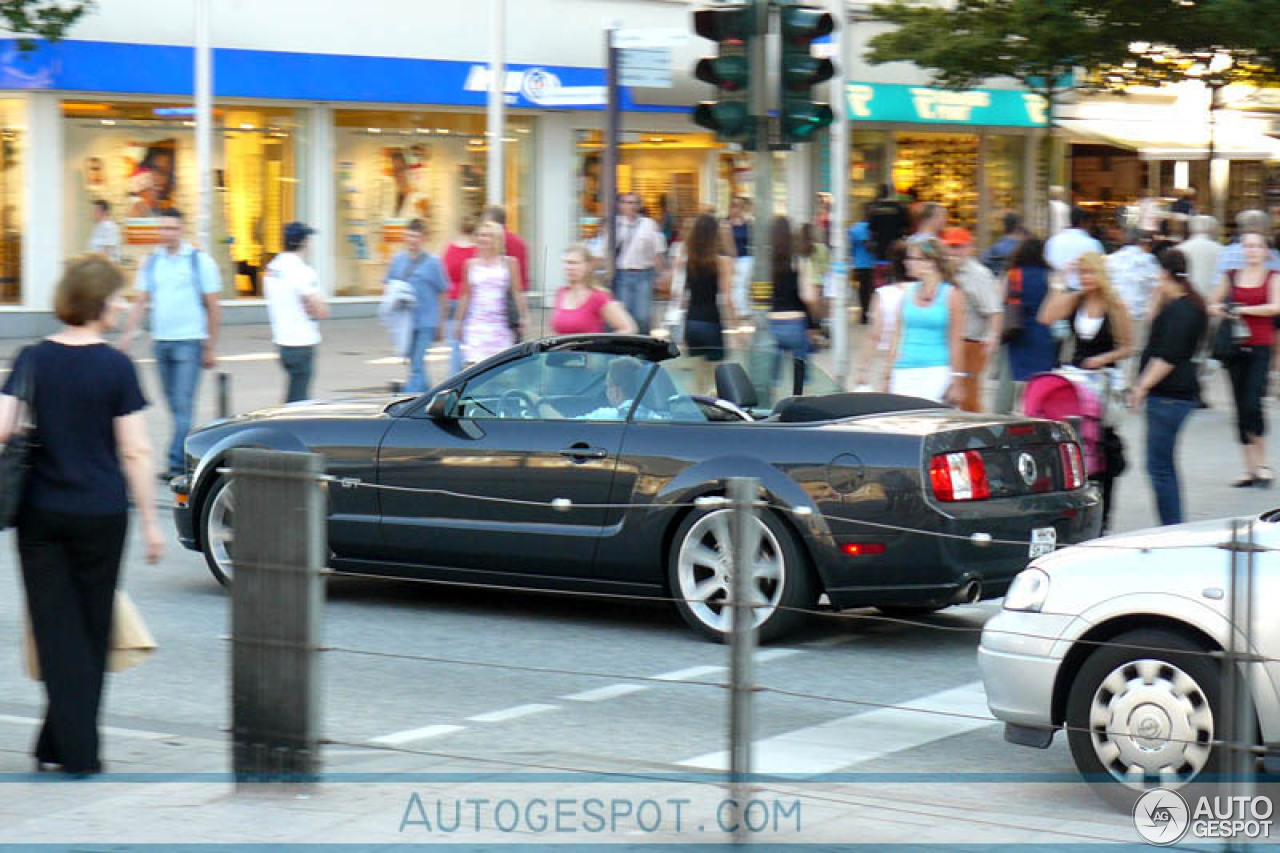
{"x":296,"y":232}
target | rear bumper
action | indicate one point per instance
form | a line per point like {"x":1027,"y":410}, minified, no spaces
{"x":930,"y":565}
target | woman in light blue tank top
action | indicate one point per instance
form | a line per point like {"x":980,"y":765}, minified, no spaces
{"x":929,"y":329}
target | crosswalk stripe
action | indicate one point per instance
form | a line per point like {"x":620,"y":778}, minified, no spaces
{"x":839,"y":743}
{"x":410,"y":735}
{"x":511,"y":713}
{"x":688,"y":674}
{"x":114,"y":731}
{"x":600,"y":694}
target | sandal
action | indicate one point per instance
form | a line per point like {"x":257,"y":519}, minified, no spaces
{"x":1244,"y":483}
{"x":1264,"y":482}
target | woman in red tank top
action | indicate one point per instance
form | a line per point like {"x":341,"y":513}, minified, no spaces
{"x":581,"y":308}
{"x":1253,"y":294}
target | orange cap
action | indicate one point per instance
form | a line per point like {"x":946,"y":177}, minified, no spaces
{"x":957,"y":236}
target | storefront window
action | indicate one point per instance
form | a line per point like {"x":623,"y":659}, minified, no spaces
{"x":866,"y":169}
{"x":12,"y":149}
{"x":942,"y":168}
{"x":1005,"y":158}
{"x":394,"y":167}
{"x":666,"y":169}
{"x":140,"y":158}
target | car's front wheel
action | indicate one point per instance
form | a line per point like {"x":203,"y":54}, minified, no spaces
{"x":700,"y":570}
{"x":217,"y":530}
{"x":1143,"y":712}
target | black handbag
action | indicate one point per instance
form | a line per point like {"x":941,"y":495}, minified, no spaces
{"x":15,"y":456}
{"x":1229,"y":340}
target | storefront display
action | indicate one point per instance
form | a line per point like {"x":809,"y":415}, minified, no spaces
{"x":12,"y":149}
{"x":1004,"y":161}
{"x":140,"y":158}
{"x":394,"y":167}
{"x":940,"y":168}
{"x":666,"y":170}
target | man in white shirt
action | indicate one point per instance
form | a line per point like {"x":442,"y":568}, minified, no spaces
{"x":1065,"y":248}
{"x":294,"y":304}
{"x":1202,"y":252}
{"x":641,"y":258}
{"x":1059,"y":211}
{"x":105,"y":239}
{"x":1134,"y":274}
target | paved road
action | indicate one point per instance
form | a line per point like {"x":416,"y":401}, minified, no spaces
{"x":600,"y":686}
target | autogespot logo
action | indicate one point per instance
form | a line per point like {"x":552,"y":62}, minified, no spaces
{"x":1161,"y":817}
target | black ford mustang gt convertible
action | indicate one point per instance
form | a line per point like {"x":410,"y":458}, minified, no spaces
{"x":871,"y":499}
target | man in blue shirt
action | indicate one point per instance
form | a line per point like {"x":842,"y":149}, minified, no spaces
{"x":425,"y":274}
{"x":180,"y":284}
{"x":863,"y":261}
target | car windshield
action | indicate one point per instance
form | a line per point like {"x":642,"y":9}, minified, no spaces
{"x":772,"y":375}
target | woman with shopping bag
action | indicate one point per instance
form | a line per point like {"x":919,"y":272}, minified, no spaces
{"x":83,"y":399}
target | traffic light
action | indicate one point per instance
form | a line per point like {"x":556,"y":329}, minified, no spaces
{"x":729,"y":71}
{"x":801,"y":116}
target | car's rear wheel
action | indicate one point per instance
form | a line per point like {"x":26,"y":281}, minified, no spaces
{"x":1142,"y":713}
{"x":700,"y":570}
{"x":217,"y":530}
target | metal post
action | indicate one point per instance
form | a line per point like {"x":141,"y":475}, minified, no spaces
{"x":840,"y":217}
{"x":224,"y":394}
{"x":1238,"y":735}
{"x":746,"y":540}
{"x":277,"y":597}
{"x":609,"y":169}
{"x":204,"y":128}
{"x":758,"y":62}
{"x":496,"y":129}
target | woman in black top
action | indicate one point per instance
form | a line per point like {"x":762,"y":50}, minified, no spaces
{"x":74,"y":509}
{"x":1100,"y":324}
{"x":708,"y":277}
{"x":1167,"y":381}
{"x":794,"y":301}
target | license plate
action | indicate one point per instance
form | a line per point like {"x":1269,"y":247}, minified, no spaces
{"x":1043,"y":541}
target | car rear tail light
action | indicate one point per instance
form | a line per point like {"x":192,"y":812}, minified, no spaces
{"x":1072,"y":465}
{"x":862,"y":549}
{"x":959,"y":477}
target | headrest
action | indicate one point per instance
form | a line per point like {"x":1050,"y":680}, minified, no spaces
{"x":733,"y":384}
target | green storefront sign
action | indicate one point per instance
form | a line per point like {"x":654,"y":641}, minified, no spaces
{"x":923,"y":105}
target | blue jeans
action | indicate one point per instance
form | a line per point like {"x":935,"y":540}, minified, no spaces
{"x":634,"y":289}
{"x":179,"y":365}
{"x":297,"y":363}
{"x":1164,"y":418}
{"x":790,"y":336}
{"x":455,"y":344}
{"x":422,"y":339}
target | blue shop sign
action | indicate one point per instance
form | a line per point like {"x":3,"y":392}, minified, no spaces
{"x":87,"y":66}
{"x":924,"y":105}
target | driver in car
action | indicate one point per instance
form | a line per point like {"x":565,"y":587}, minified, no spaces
{"x":623,"y":380}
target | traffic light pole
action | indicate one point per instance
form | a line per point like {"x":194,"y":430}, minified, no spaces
{"x":840,"y":198}
{"x":759,"y":64}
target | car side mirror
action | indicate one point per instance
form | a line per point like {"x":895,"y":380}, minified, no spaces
{"x":443,"y":406}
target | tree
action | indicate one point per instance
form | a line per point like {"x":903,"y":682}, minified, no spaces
{"x":1039,"y":43}
{"x":30,"y":20}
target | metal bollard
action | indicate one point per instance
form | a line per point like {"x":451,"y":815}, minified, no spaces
{"x":742,"y":499}
{"x":277,"y":597}
{"x":1239,"y":732}
{"x":224,"y":394}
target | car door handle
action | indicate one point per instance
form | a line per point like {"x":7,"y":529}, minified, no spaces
{"x":584,"y":451}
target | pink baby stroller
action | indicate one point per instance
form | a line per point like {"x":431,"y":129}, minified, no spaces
{"x":1079,"y":397}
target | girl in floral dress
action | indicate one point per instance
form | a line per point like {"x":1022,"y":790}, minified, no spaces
{"x":483,"y":317}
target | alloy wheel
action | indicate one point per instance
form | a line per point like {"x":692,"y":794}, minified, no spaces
{"x":220,"y":531}
{"x":705,"y":570}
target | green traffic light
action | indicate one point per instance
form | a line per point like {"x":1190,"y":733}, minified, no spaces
{"x":802,"y":119}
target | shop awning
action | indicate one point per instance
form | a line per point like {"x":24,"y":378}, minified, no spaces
{"x":1165,"y":140}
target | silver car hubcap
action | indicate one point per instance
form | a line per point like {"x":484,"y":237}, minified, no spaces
{"x":705,"y":570}
{"x":1150,"y":721}
{"x":220,"y":533}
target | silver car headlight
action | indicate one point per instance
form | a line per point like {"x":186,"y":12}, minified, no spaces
{"x":1028,"y":591}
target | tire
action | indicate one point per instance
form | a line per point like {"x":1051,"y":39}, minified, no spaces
{"x":909,"y":611}
{"x":1169,"y":687}
{"x":215,"y":531}
{"x":699,"y":573}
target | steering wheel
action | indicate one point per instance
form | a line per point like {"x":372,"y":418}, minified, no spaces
{"x":516,"y":403}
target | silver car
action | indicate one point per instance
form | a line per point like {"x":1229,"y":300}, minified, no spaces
{"x":1119,"y":640}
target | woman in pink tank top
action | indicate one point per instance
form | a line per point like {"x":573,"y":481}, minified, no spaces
{"x":582,"y":308}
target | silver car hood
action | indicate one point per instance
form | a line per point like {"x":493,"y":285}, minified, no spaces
{"x":1167,"y":544}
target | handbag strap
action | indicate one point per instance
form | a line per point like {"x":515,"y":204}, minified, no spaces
{"x":24,"y":388}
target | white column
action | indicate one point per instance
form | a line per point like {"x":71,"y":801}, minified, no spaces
{"x":710,"y":190}
{"x":554,"y":166}
{"x":1035,"y":211}
{"x":840,"y":193}
{"x":42,"y":248}
{"x":1181,"y":174}
{"x":1220,"y":180}
{"x":799,"y":178}
{"x":204,"y":127}
{"x":320,"y":189}
{"x":496,"y":126}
